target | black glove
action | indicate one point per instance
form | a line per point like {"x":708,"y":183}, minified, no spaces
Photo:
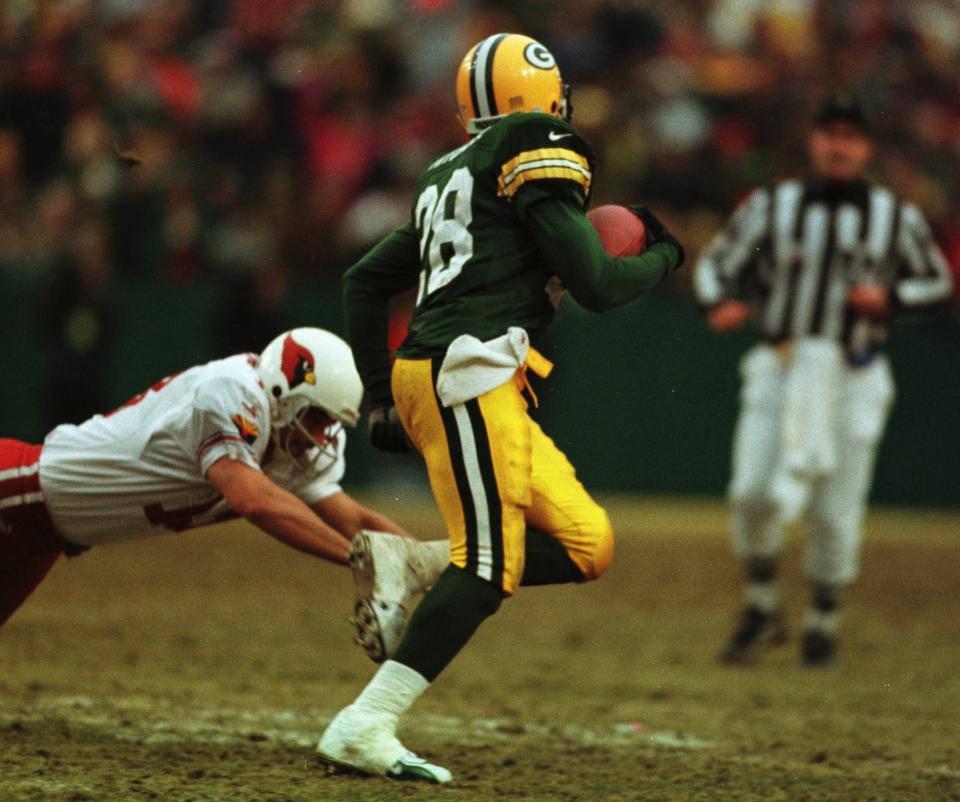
{"x":657,"y":231}
{"x":386,"y":431}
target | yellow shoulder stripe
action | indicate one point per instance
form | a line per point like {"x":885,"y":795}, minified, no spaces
{"x":545,"y":172}
{"x":544,"y":163}
{"x":543,"y":153}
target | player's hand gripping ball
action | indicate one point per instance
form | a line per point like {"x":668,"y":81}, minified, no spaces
{"x":621,"y":232}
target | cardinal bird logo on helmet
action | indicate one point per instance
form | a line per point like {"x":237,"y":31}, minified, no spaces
{"x":297,"y":363}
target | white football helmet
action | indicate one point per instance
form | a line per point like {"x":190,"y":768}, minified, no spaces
{"x":304,"y":368}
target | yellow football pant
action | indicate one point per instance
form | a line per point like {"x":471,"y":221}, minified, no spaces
{"x":493,"y":471}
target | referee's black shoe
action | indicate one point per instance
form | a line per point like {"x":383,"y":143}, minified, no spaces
{"x":818,"y":649}
{"x":756,"y":633}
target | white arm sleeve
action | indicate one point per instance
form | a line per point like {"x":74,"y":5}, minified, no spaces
{"x":924,"y":277}
{"x":226,"y":421}
{"x":732,"y":251}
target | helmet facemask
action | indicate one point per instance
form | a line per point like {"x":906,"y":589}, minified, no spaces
{"x":299,"y":425}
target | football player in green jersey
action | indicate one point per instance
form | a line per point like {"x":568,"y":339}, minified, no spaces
{"x":493,"y":223}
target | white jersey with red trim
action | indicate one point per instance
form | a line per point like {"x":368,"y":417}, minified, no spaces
{"x":141,"y":469}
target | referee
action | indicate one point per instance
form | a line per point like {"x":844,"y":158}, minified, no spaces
{"x":823,"y":263}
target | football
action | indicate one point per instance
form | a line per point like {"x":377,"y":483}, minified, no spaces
{"x":621,"y":231}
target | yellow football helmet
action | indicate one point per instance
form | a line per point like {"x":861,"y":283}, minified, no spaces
{"x":507,"y":73}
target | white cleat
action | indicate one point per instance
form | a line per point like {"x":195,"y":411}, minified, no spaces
{"x":388,"y":572}
{"x":364,"y":742}
{"x":382,"y":567}
{"x":379,"y":627}
{"x":413,"y":767}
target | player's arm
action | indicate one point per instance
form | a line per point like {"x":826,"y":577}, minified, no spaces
{"x":276,"y":511}
{"x":722,"y":267}
{"x":545,"y":173}
{"x":720,"y":272}
{"x":572,"y":249}
{"x":348,"y":516}
{"x":391,"y":267}
{"x":924,"y":277}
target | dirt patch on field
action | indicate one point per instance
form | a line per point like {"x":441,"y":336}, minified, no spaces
{"x":204,"y":667}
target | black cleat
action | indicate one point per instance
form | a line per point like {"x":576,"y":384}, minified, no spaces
{"x":818,"y":649}
{"x":756,"y":633}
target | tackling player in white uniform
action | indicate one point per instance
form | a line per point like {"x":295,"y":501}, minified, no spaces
{"x":257,"y":437}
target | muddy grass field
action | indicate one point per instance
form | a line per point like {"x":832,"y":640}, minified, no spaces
{"x":205,"y":666}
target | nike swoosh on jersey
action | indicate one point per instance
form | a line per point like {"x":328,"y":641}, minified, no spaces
{"x":553,"y":136}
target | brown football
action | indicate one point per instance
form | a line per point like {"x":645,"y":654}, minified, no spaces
{"x":621,"y":231}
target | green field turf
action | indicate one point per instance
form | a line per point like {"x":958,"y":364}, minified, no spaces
{"x":204,"y":666}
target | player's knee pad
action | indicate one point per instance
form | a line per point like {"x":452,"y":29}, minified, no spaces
{"x":751,"y":497}
{"x":833,"y":550}
{"x":600,"y":555}
{"x":755,"y":527}
{"x":753,"y":510}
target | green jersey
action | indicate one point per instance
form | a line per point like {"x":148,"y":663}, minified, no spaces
{"x":492,"y":222}
{"x":480,"y":269}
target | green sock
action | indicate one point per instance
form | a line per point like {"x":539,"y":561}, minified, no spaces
{"x":445,"y":620}
{"x":547,"y":561}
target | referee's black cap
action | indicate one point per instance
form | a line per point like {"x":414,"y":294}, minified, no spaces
{"x":842,"y":108}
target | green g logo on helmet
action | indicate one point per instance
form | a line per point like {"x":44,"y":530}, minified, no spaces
{"x":537,"y":55}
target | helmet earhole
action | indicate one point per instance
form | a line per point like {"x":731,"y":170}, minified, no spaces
{"x":277,"y":391}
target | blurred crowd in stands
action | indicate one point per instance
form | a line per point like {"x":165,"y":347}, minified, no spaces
{"x":258,"y":144}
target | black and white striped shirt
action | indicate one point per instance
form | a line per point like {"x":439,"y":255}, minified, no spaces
{"x":799,"y":247}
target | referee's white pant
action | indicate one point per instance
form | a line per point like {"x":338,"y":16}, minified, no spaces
{"x":837,"y":502}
